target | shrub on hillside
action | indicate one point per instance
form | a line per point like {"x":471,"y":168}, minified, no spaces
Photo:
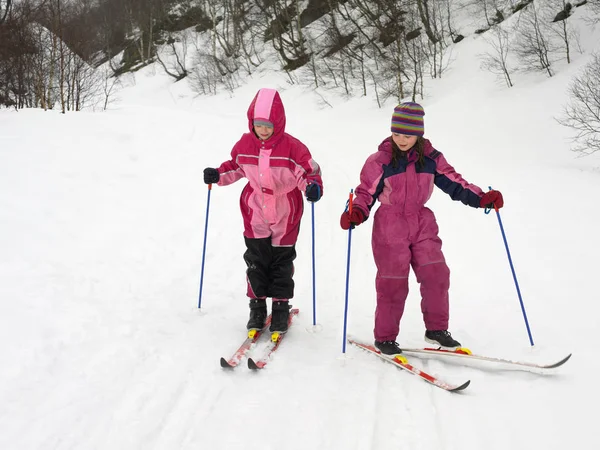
{"x":582,"y":114}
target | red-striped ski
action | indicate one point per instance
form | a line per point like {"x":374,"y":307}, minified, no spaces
{"x":466,"y":354}
{"x":410,"y":368}
{"x":273,"y":345}
{"x":246,"y":345}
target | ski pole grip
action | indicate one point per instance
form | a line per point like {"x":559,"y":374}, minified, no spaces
{"x":495,"y":207}
{"x":350,"y":201}
{"x":486,"y":209}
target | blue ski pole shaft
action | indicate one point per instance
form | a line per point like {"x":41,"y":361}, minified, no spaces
{"x":313,"y":266}
{"x":512,"y":268}
{"x":204,"y":246}
{"x":347,"y":274}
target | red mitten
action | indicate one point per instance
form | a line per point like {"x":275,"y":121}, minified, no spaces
{"x":492,"y":199}
{"x":350,"y":220}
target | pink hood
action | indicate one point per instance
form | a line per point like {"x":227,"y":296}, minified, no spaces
{"x":267,"y":105}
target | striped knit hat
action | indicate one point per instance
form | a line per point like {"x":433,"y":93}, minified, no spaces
{"x":408,"y":119}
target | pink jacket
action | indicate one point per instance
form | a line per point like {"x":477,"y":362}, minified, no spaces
{"x":278,"y":171}
{"x":407,"y":187}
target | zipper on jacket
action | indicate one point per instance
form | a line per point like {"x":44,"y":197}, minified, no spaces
{"x":262,"y":191}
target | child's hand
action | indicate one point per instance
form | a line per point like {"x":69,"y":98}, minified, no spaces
{"x":313,"y":192}
{"x":211,"y":175}
{"x":492,"y":199}
{"x":350,"y":220}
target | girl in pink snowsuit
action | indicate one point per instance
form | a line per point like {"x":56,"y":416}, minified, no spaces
{"x":401,"y":175}
{"x":279,"y":168}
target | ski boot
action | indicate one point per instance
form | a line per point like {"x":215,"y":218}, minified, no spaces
{"x":443,"y":338}
{"x":258,"y":314}
{"x":280,"y":317}
{"x":388,"y":347}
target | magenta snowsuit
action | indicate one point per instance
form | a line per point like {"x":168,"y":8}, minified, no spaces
{"x":278,"y":171}
{"x":405,"y":232}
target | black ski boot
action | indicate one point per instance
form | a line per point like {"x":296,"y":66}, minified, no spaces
{"x":258,"y":314}
{"x":442,"y":338}
{"x":280,"y":316}
{"x":388,"y":347}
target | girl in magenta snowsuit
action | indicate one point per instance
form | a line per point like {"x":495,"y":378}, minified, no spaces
{"x":279,"y":168}
{"x":401,"y":175}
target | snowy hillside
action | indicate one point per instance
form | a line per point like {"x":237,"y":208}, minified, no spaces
{"x":101,"y":233}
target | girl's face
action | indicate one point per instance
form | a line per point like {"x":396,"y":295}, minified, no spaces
{"x":263,"y":132}
{"x":404,"y":141}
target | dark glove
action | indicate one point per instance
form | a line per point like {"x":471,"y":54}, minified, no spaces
{"x":313,"y":192}
{"x":211,"y":175}
{"x":492,"y":199}
{"x":350,"y":220}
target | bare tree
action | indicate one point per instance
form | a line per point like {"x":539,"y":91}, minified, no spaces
{"x":226,"y":16}
{"x":380,"y":27}
{"x":560,"y":26}
{"x":142,"y":16}
{"x":428,"y":21}
{"x":37,"y":66}
{"x":4,"y":9}
{"x":441,"y":21}
{"x":533,"y":47}
{"x":430,"y":15}
{"x":416,"y":54}
{"x":360,"y":35}
{"x":176,"y":50}
{"x":582,"y":114}
{"x":18,"y":48}
{"x":247,"y":20}
{"x":234,"y":31}
{"x":492,"y":10}
{"x":334,"y":57}
{"x":496,"y":60}
{"x":58,"y":50}
{"x":284,"y":30}
{"x":212,"y":71}
{"x":594,"y":7}
{"x":364,"y":21}
{"x":44,"y":67}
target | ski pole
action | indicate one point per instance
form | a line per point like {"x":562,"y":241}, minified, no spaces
{"x":204,"y":246}
{"x":487,"y":211}
{"x":347,"y":272}
{"x":312,"y":204}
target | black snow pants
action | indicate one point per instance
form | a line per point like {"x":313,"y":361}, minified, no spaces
{"x":270,"y":269}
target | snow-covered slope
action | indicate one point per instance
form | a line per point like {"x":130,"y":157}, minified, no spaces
{"x":101,"y":233}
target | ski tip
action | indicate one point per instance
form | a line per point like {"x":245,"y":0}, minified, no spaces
{"x":559,"y":363}
{"x":252,"y":365}
{"x":225,"y":364}
{"x":461,"y":387}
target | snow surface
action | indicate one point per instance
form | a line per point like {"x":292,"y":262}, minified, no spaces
{"x":101,"y":232}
